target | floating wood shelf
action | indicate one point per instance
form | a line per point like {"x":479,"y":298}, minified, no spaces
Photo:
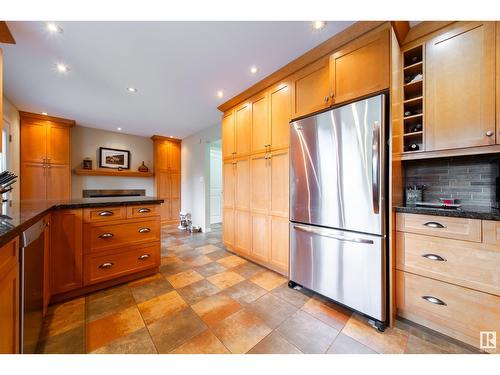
{"x":111,"y":172}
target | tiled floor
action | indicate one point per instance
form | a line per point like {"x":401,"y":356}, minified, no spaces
{"x":207,"y":300}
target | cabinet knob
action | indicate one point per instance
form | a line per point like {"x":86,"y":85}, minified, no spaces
{"x":326,"y":98}
{"x":435,"y":257}
{"x":144,"y":257}
{"x":106,"y":235}
{"x":434,"y":300}
{"x":106,"y":266}
{"x":434,"y":224}
{"x":144,"y":210}
{"x":144,"y":230}
{"x":106,"y":213}
{"x":489,"y":133}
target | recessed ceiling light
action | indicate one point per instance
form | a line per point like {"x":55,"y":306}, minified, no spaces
{"x":62,"y":68}
{"x":254,"y":69}
{"x":171,"y":136}
{"x":44,"y":113}
{"x":318,"y":25}
{"x":119,"y":129}
{"x":220,"y":93}
{"x":53,"y":28}
{"x":131,"y":89}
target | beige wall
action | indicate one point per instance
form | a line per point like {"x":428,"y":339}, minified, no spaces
{"x":85,"y":142}
{"x":11,"y":116}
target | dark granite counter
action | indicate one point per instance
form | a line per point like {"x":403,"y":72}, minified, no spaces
{"x":481,"y":213}
{"x":16,"y":217}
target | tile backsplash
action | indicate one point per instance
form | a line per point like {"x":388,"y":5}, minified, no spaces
{"x":470,"y":179}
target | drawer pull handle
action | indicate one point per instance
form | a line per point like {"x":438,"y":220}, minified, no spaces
{"x":106,"y":266}
{"x":433,"y":224}
{"x":144,"y":257}
{"x":144,"y":210}
{"x":106,"y":213}
{"x":106,"y":235}
{"x":434,"y":300}
{"x":434,"y":257}
{"x":144,"y":230}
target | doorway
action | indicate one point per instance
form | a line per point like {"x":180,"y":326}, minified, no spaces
{"x":215,"y":194}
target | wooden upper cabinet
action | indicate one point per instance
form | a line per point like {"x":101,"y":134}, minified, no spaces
{"x":311,"y":88}
{"x":33,"y":141}
{"x":260,"y":124}
{"x":280,"y":115}
{"x":161,"y":155}
{"x":33,"y":186}
{"x":228,"y":176}
{"x":460,"y":87}
{"x":242,"y":129}
{"x":361,"y":67}
{"x":174,"y":156}
{"x":58,"y":144}
{"x":228,"y":135}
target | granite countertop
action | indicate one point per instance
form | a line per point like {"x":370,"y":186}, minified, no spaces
{"x":469,"y":212}
{"x":16,"y":217}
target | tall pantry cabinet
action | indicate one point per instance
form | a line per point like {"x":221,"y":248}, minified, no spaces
{"x":45,"y":157}
{"x":167,"y":165}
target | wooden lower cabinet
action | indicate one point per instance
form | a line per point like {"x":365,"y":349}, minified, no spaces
{"x":9,"y":298}
{"x":260,"y":237}
{"x":279,"y":254}
{"x":243,"y":232}
{"x":228,"y":227}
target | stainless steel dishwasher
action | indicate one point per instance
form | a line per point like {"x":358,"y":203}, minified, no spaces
{"x":31,"y":309}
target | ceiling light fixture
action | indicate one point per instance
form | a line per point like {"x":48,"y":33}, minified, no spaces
{"x":53,"y":28}
{"x":318,"y":25}
{"x":220,"y":93}
{"x":44,"y":113}
{"x":254,"y":69}
{"x":62,"y":68}
{"x":131,"y":89}
{"x":119,"y":129}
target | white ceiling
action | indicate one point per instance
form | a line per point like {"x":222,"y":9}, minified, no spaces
{"x":177,"y":68}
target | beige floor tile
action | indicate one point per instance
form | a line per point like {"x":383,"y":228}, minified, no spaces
{"x":207,"y":249}
{"x":138,"y":342}
{"x":232,"y":261}
{"x":215,"y":308}
{"x":274,"y":343}
{"x":241,"y":331}
{"x":67,"y":342}
{"x":272,"y":310}
{"x":150,"y":290}
{"x":245,"y":292}
{"x":204,"y":343}
{"x":417,"y":345}
{"x":344,"y":344}
{"x":200,"y":260}
{"x":328,"y":312}
{"x":268,"y":280}
{"x":296,"y":297}
{"x":183,"y":279}
{"x":392,"y":341}
{"x":197,"y":291}
{"x":225,"y":280}
{"x":145,"y":280}
{"x":161,"y":306}
{"x":210,"y":269}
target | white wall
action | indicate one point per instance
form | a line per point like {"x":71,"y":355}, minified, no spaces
{"x":85,"y":142}
{"x":195,"y":174}
{"x":11,"y":115}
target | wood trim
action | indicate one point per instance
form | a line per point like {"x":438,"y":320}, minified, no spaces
{"x":163,"y":138}
{"x":352,"y":32}
{"x":479,"y":150}
{"x":401,"y":29}
{"x":111,"y":172}
{"x":60,"y":120}
{"x":424,"y":28}
{"x":5,"y":34}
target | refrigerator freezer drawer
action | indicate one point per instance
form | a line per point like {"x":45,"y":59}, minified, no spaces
{"x":347,"y":267}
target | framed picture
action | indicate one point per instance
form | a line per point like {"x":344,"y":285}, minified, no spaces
{"x":113,"y":158}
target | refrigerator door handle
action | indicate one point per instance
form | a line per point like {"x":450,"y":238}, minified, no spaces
{"x":376,"y":167}
{"x":331,"y":235}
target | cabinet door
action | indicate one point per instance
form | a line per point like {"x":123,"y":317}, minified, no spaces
{"x":260,"y":184}
{"x":228,"y":135}
{"x":165,"y":211}
{"x":228,"y":227}
{"x":174,"y":156}
{"x":280,"y":251}
{"x":242,"y":188}
{"x":163,"y":184}
{"x":280,"y":115}
{"x":33,"y":141}
{"x":58,"y":179}
{"x":175,"y":209}
{"x":260,"y":237}
{"x":260,"y":128}
{"x":58,"y":144}
{"x":228,"y":184}
{"x":9,"y":311}
{"x":161,"y":154}
{"x":460,"y":87}
{"x":243,"y":232}
{"x":361,"y":68}
{"x":46,"y":264}
{"x":66,"y":251}
{"x":242,"y":129}
{"x":279,"y":183}
{"x":175,"y":185}
{"x":311,"y":89}
{"x":33,"y":184}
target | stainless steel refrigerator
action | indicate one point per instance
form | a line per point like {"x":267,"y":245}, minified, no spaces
{"x":338,"y":205}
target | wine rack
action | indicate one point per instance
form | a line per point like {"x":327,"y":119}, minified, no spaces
{"x":413,"y":99}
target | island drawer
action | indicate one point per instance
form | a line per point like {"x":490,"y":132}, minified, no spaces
{"x":114,"y":264}
{"x":469,"y":264}
{"x":458,"y":312}
{"x":440,"y":226}
{"x":143,"y":211}
{"x":103,"y":236}
{"x":100,"y":214}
